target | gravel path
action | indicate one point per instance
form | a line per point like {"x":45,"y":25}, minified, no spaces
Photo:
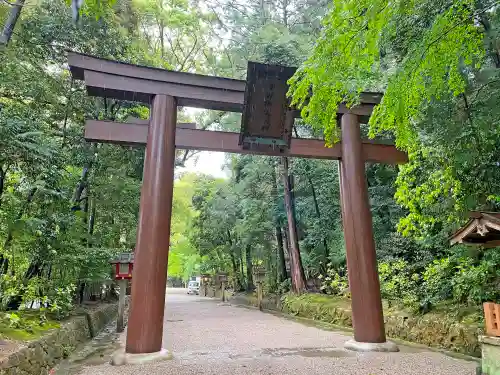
{"x":207,"y":338}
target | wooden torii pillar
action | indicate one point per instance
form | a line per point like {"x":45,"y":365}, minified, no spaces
{"x":165,"y":91}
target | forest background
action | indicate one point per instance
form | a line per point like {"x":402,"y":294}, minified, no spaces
{"x":68,"y":206}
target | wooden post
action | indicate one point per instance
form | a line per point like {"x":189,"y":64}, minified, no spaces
{"x":367,"y":315}
{"x":223,"y":287}
{"x":145,"y":328}
{"x":120,"y":326}
{"x":492,"y":318}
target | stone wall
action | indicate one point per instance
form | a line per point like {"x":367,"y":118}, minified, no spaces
{"x":438,"y":333}
{"x":272,"y":303}
{"x":39,"y":356}
{"x":429,"y":330}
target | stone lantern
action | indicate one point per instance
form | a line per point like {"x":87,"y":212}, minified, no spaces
{"x":222,"y":279}
{"x":205,"y":279}
{"x":123,"y":264}
{"x":259,"y":275}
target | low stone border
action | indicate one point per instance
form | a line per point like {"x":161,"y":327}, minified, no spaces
{"x":39,"y":356}
{"x":424,"y":330}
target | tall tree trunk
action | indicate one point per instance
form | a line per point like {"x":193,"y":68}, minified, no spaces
{"x":262,"y":12}
{"x":318,"y":214}
{"x":83,"y":182}
{"x":286,"y":241}
{"x":248,"y":251}
{"x":161,"y":30}
{"x":81,"y":282}
{"x":35,"y":269}
{"x":282,"y":273}
{"x":8,"y":29}
{"x":77,"y":197}
{"x":242,"y":270}
{"x":236,"y":272}
{"x":3,"y":177}
{"x":86,"y":207}
{"x":162,"y":39}
{"x":291,"y":181}
{"x":285,"y":12}
{"x":92,"y":219}
{"x":296,"y":270}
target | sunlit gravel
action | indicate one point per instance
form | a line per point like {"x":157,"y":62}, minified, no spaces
{"x":207,"y":338}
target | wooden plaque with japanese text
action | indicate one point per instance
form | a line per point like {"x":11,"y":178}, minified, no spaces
{"x":266,"y":121}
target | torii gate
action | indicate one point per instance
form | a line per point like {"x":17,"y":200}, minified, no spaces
{"x":266,"y":129}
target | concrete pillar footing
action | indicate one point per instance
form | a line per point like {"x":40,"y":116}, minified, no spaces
{"x":121,"y":358}
{"x":357,"y":346}
{"x":490,"y":348}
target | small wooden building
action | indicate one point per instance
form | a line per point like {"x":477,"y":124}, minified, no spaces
{"x":483,"y":228}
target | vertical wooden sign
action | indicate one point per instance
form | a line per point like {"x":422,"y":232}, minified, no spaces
{"x":266,"y":120}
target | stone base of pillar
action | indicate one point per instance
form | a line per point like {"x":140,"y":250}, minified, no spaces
{"x":120,"y":358}
{"x":387,"y":346}
{"x":490,"y":355}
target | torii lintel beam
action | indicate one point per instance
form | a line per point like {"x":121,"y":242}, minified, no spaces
{"x":187,"y":138}
{"x":112,"y":79}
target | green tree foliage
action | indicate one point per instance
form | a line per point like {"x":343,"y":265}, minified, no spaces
{"x":46,"y":233}
{"x":437,"y":64}
{"x":184,"y":259}
{"x":92,"y":8}
{"x":67,"y":206}
{"x":362,"y":47}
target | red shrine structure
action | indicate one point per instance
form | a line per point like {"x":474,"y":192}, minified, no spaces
{"x":267,"y":121}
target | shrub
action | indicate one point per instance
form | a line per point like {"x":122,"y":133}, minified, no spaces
{"x":9,"y":289}
{"x":14,"y":320}
{"x":458,"y":279}
{"x":438,"y":280}
{"x":60,"y":301}
{"x":334,"y":282}
{"x":399,"y":284}
{"x":33,"y":291}
{"x":473,"y":284}
{"x":284,"y":287}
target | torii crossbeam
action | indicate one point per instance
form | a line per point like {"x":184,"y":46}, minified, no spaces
{"x":266,"y":126}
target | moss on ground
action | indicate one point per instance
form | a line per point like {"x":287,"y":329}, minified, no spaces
{"x":30,"y":325}
{"x":447,"y":327}
{"x":459,"y":314}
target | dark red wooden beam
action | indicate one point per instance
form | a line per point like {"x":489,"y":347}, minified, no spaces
{"x":79,"y":63}
{"x":189,"y":138}
{"x":143,"y":90}
{"x":113,"y":79}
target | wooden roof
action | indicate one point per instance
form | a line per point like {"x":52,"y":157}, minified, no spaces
{"x":483,"y":228}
